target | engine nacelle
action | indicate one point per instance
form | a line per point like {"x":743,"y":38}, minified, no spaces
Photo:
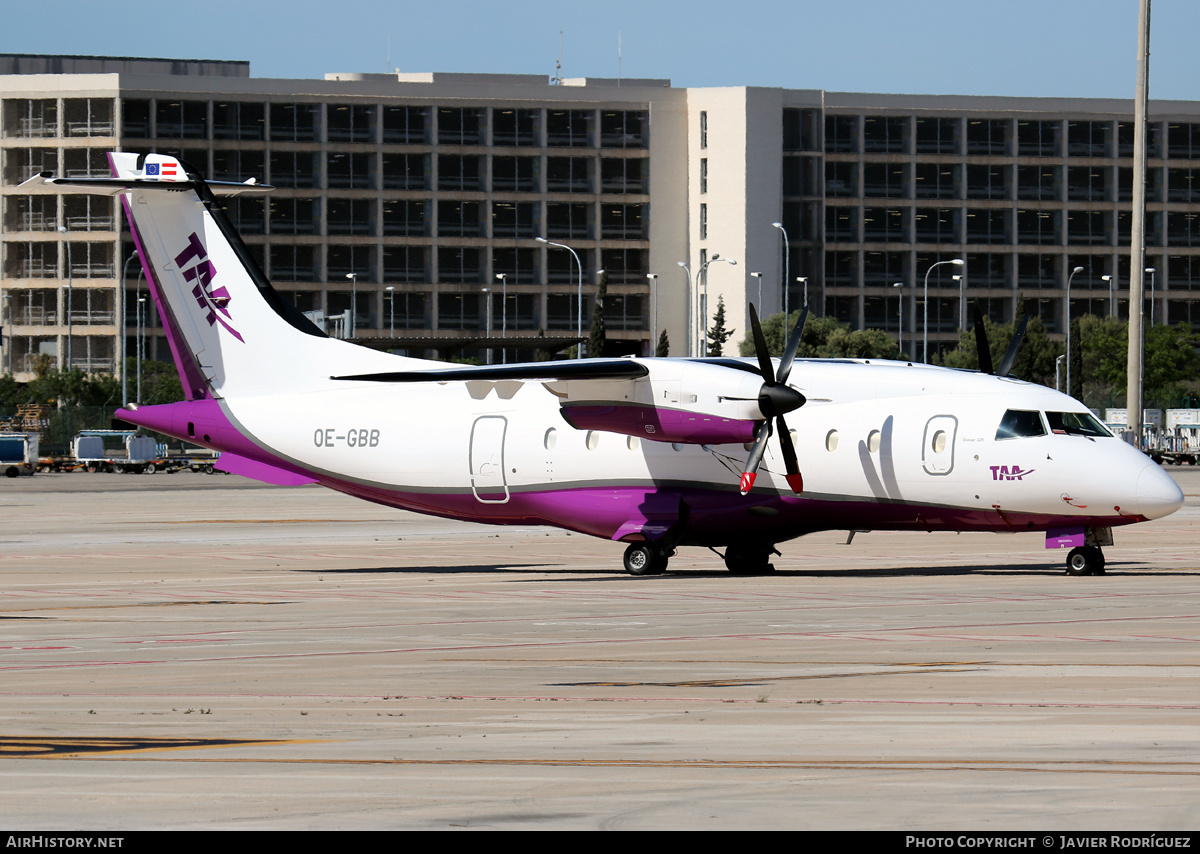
{"x":657,"y":423}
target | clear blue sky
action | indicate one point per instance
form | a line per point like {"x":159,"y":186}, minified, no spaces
{"x":978,"y":47}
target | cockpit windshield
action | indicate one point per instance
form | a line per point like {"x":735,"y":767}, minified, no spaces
{"x":1076,"y":424}
{"x":1019,"y":423}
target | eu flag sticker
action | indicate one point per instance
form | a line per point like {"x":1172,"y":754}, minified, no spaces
{"x":151,"y":169}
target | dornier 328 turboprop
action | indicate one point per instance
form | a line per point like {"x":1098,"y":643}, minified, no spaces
{"x":654,"y":453}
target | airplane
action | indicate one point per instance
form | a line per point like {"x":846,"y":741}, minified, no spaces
{"x":653,"y":453}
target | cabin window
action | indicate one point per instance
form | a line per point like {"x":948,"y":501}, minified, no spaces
{"x":873,"y":441}
{"x":1020,"y":423}
{"x":550,"y":439}
{"x":633,"y":443}
{"x":831,"y":441}
{"x":593,"y":440}
{"x":1076,"y":424}
{"x":939,"y":441}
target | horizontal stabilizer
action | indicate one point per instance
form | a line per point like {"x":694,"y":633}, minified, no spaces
{"x":585,"y":369}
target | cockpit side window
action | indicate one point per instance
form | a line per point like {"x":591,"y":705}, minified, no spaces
{"x":1076,"y":424}
{"x":1019,"y":423}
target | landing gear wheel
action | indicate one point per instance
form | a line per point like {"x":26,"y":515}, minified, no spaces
{"x":1085,"y":560}
{"x":644,"y":559}
{"x":749,"y":560}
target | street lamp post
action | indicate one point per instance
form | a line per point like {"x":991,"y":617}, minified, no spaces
{"x":579,"y":307}
{"x":653,"y":278}
{"x":1069,"y":278}
{"x":804,"y":281}
{"x":140,"y":346}
{"x":503,"y":277}
{"x":1151,"y":271}
{"x":758,"y":276}
{"x":70,"y":326}
{"x":962,"y":300}
{"x":488,"y":291}
{"x":703,"y":272}
{"x":121,"y":331}
{"x":1112,"y":294}
{"x":787,"y":270}
{"x":957,"y":262}
{"x":690,"y":311}
{"x":899,"y":316}
{"x":391,"y":292}
{"x":353,"y":277}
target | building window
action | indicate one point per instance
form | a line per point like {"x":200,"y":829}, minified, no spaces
{"x":516,"y":174}
{"x":349,"y":216}
{"x":623,"y":221}
{"x":32,"y":118}
{"x":885,"y":180}
{"x":515,"y":219}
{"x":841,"y":180}
{"x":568,"y":220}
{"x":936,"y":225}
{"x":989,"y":182}
{"x":937,"y":135}
{"x":405,"y":171}
{"x":459,"y":311}
{"x":405,"y":311}
{"x":1040,"y":227}
{"x":1038,"y":138}
{"x":293,"y":216}
{"x":1088,"y":183}
{"x":628,"y":175}
{"x":405,"y":217}
{"x":247,"y":214}
{"x":182,"y":119}
{"x":703,"y":175}
{"x":457,"y":218}
{"x":350,"y":122}
{"x":937,"y":180}
{"x":343,"y":260}
{"x":841,"y":133}
{"x":1039,"y":183}
{"x":135,"y":118}
{"x":1088,"y":139}
{"x":406,"y":125}
{"x":88,"y":117}
{"x":841,"y":224}
{"x":885,"y":134}
{"x":1037,"y":271}
{"x":516,"y":127}
{"x":988,"y":136}
{"x":703,"y":129}
{"x":238,"y":165}
{"x":800,"y":130}
{"x":294,"y":122}
{"x":623,"y":128}
{"x":293,"y":169}
{"x":568,"y":128}
{"x":459,"y":172}
{"x":568,"y":175}
{"x":624,"y":266}
{"x":461,"y":126}
{"x":459,"y":264}
{"x":883,"y":225}
{"x":295,"y":263}
{"x":1183,"y":141}
{"x":405,"y":264}
{"x":518,"y":265}
{"x":703,"y":221}
{"x":239,"y":120}
{"x":89,"y":163}
{"x":988,"y":226}
{"x":350,"y":171}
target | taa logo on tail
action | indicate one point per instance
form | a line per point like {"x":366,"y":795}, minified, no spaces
{"x":214,"y":302}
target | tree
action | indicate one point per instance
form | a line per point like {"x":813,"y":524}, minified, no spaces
{"x":718,"y":334}
{"x":823,"y":337}
{"x":597,"y":336}
{"x":664,"y":345}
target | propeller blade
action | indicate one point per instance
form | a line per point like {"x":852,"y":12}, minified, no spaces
{"x":982,"y":347}
{"x":789,"y":353}
{"x":791,"y":466}
{"x":756,"y":455}
{"x":760,"y":348}
{"x":1010,"y":357}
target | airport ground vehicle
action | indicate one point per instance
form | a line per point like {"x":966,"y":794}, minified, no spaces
{"x":119,"y":451}
{"x":18,"y":454}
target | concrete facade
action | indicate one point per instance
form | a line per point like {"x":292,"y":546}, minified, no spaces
{"x":410,"y":195}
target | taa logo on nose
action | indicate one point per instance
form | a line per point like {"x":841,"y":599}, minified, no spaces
{"x":1009,"y":472}
{"x":215,"y":303}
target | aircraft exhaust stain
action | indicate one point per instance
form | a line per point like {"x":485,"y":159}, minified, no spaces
{"x":62,"y":748}
{"x":734,"y":683}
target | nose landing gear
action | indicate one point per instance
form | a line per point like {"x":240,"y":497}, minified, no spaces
{"x":1085,"y":560}
{"x":646,"y":559}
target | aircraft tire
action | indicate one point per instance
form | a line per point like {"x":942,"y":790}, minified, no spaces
{"x":644,"y":559}
{"x":748,"y":560}
{"x":1085,"y":560}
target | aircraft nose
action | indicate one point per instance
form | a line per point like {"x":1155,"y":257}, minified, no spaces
{"x":1157,"y":493}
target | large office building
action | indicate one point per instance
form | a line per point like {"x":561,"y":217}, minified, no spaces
{"x":464,"y":215}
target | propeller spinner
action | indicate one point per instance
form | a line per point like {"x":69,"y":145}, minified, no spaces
{"x":775,"y":399}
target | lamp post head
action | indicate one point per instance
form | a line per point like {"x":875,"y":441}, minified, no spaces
{"x":957,"y":278}
{"x":601,"y":272}
{"x":682,"y":264}
{"x":541,"y":240}
{"x":897,"y":284}
{"x":732,"y":263}
{"x":502,"y":276}
{"x":352,"y":275}
{"x":778,"y":225}
{"x":756,"y":275}
{"x":802,"y":279}
{"x":652,"y":276}
{"x":958,"y":262}
{"x":1149,"y":269}
{"x":389,"y":288}
{"x":1106,"y":278}
{"x":1076,"y":270}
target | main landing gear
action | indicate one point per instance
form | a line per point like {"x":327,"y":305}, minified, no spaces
{"x":1085,"y":560}
{"x":749,"y":559}
{"x":647,"y":559}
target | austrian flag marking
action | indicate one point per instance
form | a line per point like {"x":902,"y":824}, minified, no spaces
{"x":214,"y":303}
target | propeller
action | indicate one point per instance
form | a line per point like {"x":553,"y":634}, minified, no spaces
{"x":985,"y":352}
{"x":775,"y":399}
